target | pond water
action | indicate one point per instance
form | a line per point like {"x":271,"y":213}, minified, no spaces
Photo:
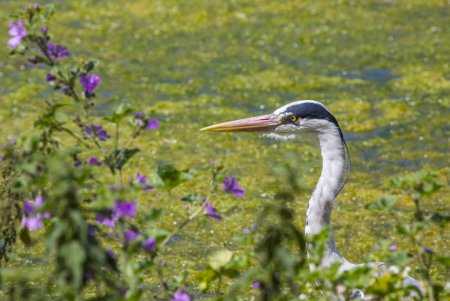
{"x":382,"y":67}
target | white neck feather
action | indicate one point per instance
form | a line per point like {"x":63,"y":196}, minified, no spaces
{"x":331,"y":181}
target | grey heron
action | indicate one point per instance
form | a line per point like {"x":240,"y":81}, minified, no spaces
{"x":285,"y":123}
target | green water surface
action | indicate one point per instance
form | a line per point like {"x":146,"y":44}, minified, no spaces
{"x":382,"y":67}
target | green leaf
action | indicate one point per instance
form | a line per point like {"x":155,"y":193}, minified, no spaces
{"x":193,"y":198}
{"x":49,"y":118}
{"x":170,"y":176}
{"x":118,"y":158}
{"x":89,"y":66}
{"x":383,"y":203}
{"x":153,"y":214}
{"x":445,"y":260}
{"x":24,"y":236}
{"x":74,"y":256}
{"x":121,"y":112}
{"x":219,"y":259}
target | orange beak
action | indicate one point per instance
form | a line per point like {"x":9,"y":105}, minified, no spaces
{"x":252,"y":124}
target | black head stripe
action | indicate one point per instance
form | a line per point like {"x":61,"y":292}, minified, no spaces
{"x":312,"y":110}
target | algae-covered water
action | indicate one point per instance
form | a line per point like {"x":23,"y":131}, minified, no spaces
{"x":382,"y":67}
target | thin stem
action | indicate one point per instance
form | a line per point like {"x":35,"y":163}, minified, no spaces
{"x":71,"y":133}
{"x":133,"y":136}
{"x":184,"y":224}
{"x":44,"y":51}
{"x":116,"y":142}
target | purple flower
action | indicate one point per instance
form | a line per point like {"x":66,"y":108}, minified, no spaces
{"x":32,"y":223}
{"x":393,"y":247}
{"x":142,"y":181}
{"x":181,"y":295}
{"x":149,"y":245}
{"x":57,"y":51}
{"x":77,"y":163}
{"x":94,"y":161}
{"x":211,"y":211}
{"x":108,"y":219}
{"x":96,"y":130}
{"x":91,"y":230}
{"x":50,"y":77}
{"x":32,"y":219}
{"x":125,"y":209}
{"x":427,"y":250}
{"x":139,"y":115}
{"x":28,"y":207}
{"x":130,"y":235}
{"x":44,"y":30}
{"x":90,"y":82}
{"x":231,"y":185}
{"x":152,"y":124}
{"x":121,"y":209}
{"x":39,"y":201}
{"x":139,"y":119}
{"x":16,"y":32}
{"x":257,"y":284}
{"x":110,"y":254}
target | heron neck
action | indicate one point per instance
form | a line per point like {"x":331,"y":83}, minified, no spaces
{"x":329,"y":185}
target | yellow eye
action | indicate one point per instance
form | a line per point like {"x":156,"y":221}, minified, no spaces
{"x":293,"y":118}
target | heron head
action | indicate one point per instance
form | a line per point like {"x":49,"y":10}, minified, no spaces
{"x":288,"y":119}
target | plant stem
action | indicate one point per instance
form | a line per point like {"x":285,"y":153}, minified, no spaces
{"x":183,"y":224}
{"x":72,"y":134}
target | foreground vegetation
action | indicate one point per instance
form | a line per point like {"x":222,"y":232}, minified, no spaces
{"x":86,"y":169}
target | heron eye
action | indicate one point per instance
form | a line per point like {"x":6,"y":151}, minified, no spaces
{"x":293,"y":118}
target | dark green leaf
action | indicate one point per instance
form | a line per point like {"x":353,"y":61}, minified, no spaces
{"x":89,"y":66}
{"x":25,"y":237}
{"x":118,"y":158}
{"x":170,"y":176}
{"x":154,"y":214}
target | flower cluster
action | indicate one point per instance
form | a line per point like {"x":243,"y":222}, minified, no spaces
{"x":131,"y":235}
{"x":32,"y":219}
{"x":97,"y":131}
{"x":56,"y":52}
{"x":16,"y":32}
{"x":94,"y":161}
{"x":121,"y":209}
{"x":142,"y":121}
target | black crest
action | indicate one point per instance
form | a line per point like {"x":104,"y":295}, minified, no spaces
{"x":312,"y":110}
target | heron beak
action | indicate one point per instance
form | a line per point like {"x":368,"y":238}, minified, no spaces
{"x":252,"y":124}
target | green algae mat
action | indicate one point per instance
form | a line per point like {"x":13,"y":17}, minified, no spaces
{"x":382,"y":67}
